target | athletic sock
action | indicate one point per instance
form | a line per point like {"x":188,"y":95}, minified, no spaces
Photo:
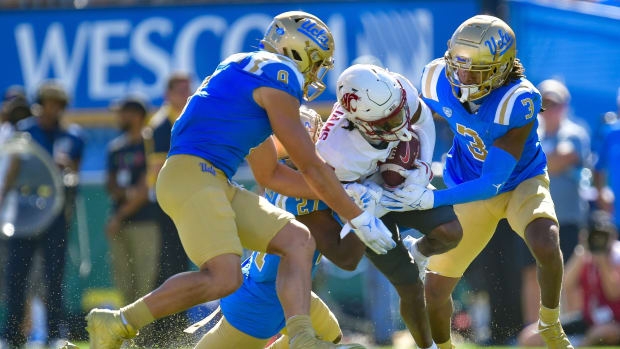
{"x":433,"y":346}
{"x":298,"y":324}
{"x":549,"y":316}
{"x":137,"y":314}
{"x":445,"y":345}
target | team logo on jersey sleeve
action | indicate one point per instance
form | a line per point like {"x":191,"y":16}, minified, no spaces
{"x":447,"y":111}
{"x":349,"y":102}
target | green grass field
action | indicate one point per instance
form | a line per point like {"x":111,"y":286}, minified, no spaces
{"x":84,"y":345}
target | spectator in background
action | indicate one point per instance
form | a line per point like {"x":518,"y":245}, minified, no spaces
{"x":592,"y":279}
{"x":607,"y":170}
{"x":133,"y":234}
{"x":567,"y":146}
{"x":14,"y":108}
{"x":173,"y":259}
{"x":65,"y":145}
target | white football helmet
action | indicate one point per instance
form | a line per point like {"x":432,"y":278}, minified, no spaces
{"x":376,"y":102}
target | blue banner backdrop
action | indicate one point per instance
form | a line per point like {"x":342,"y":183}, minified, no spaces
{"x":103,"y":54}
{"x":574,"y":41}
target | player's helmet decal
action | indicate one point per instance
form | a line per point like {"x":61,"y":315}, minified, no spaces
{"x":480,"y":55}
{"x":346,"y":100}
{"x":307,"y":41}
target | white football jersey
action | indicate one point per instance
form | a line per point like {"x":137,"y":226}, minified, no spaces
{"x":353,"y":157}
{"x":347,"y":151}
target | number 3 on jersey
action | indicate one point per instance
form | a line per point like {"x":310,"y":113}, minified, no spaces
{"x":476,"y":145}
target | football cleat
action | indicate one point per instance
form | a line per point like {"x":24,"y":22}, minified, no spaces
{"x":554,"y":336}
{"x":67,"y":345}
{"x":107,"y":330}
{"x":308,"y":340}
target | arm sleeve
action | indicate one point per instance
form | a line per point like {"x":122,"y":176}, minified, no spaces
{"x":496,"y":170}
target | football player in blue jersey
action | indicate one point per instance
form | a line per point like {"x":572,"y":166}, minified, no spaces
{"x":496,"y":168}
{"x":249,"y":97}
{"x":252,"y":314}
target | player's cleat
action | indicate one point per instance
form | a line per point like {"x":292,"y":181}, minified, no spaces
{"x":66,"y":345}
{"x":554,"y":336}
{"x":308,"y":340}
{"x":107,"y":330}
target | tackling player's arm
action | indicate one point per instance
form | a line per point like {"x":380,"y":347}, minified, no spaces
{"x":272,"y":174}
{"x":500,"y":161}
{"x":283,"y":110}
{"x":497,"y":168}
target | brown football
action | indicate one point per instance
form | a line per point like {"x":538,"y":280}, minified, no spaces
{"x":401,"y":158}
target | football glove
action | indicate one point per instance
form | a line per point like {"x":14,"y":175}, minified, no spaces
{"x":373,"y":233}
{"x":420,"y":175}
{"x":411,"y":197}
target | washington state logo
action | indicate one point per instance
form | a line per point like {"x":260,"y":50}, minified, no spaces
{"x":346,"y":102}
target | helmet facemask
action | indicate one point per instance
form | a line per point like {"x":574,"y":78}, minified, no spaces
{"x":315,"y":74}
{"x":486,"y":77}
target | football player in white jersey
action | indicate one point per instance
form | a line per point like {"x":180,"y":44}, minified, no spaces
{"x":376,"y":109}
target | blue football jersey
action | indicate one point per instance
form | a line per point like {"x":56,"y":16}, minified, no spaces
{"x":507,"y":107}
{"x":255,"y":308}
{"x":221,"y":121}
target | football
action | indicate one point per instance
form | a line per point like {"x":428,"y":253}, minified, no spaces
{"x":401,"y":158}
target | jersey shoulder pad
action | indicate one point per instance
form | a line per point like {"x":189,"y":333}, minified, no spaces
{"x":276,"y":71}
{"x":519,"y":105}
{"x":430,"y":77}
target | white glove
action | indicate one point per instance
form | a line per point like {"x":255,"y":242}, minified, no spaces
{"x":421,"y":175}
{"x":366,"y":195}
{"x":420,"y":260}
{"x":373,"y":233}
{"x":411,"y":197}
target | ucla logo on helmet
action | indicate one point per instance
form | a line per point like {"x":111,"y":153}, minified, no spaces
{"x":503,"y":44}
{"x":347,"y":102}
{"x":311,"y":30}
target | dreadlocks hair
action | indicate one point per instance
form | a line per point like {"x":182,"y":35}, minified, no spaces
{"x":517,"y":72}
